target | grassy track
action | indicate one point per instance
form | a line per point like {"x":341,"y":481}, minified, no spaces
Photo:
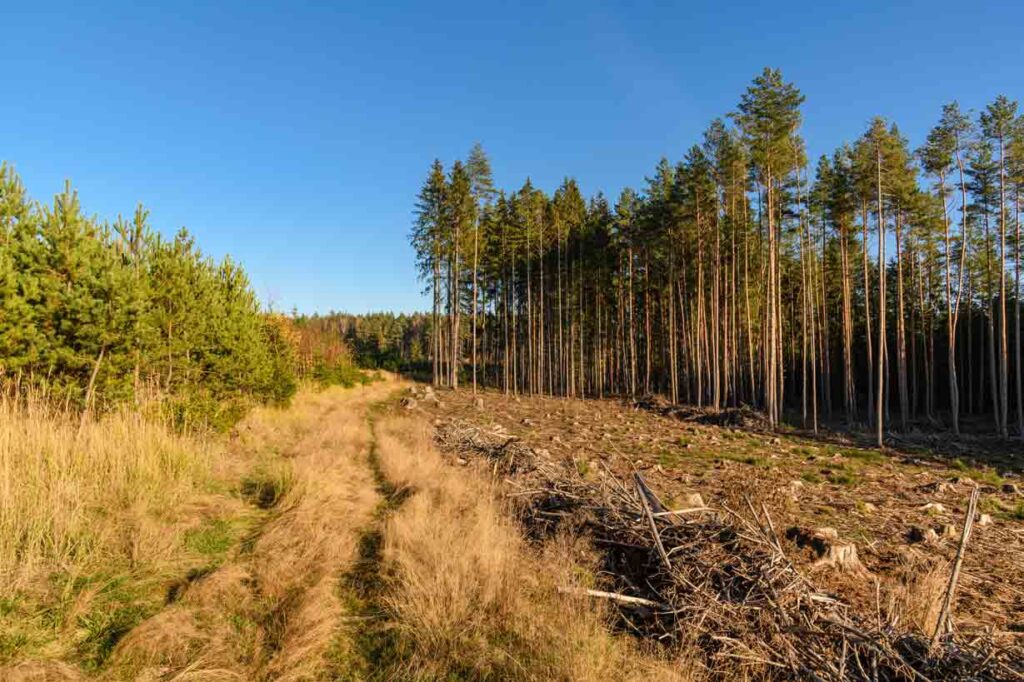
{"x":327,"y":541}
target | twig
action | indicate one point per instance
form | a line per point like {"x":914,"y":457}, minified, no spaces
{"x":680,"y":512}
{"x":615,"y":596}
{"x":945,"y":615}
{"x":650,"y":518}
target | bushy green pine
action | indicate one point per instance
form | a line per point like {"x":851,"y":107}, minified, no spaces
{"x":94,"y":315}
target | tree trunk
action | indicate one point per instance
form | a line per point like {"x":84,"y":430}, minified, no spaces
{"x":879,"y":416}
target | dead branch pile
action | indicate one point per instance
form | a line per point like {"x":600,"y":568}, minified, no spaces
{"x":719,"y":579}
{"x":506,"y":453}
{"x":743,"y":417}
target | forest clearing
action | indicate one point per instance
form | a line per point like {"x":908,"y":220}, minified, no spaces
{"x":713,"y":372}
{"x":388,"y":531}
{"x":879,"y":531}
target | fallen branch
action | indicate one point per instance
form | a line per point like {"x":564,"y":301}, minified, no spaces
{"x":615,"y":596}
{"x":642,"y":492}
{"x":681,"y":512}
{"x":944,"y":624}
{"x":722,"y":581}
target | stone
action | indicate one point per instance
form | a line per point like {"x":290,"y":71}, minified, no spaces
{"x":478,"y":403}
{"x":933,"y":508}
{"x":409,"y":403}
{"x":462,"y":462}
{"x":692,"y":501}
{"x":984,"y":520}
{"x":948,"y":531}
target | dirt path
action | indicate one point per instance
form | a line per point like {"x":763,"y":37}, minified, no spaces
{"x":365,"y":642}
{"x":362,"y":554}
{"x":279,"y":608}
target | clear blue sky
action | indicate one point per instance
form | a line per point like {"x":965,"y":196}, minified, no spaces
{"x":296,"y":137}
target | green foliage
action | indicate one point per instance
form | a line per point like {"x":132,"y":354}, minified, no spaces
{"x":213,"y":538}
{"x":810,"y":477}
{"x":104,"y":628}
{"x":130,"y":314}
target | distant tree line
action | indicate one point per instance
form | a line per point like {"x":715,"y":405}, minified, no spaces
{"x":396,"y":342}
{"x":95,"y":314}
{"x":882,"y":290}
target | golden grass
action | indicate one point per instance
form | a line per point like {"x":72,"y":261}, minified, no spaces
{"x":470,"y":600}
{"x":915,"y":593}
{"x":274,"y":612}
{"x":181,"y":559}
{"x":95,"y":519}
{"x":75,"y":501}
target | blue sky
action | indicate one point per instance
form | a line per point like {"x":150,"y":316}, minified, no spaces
{"x":295,"y":136}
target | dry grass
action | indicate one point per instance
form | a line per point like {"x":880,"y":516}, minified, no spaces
{"x":94,"y":519}
{"x":74,"y":501}
{"x":274,"y":612}
{"x":470,"y":600}
{"x":914,"y":594}
{"x":130,"y":553}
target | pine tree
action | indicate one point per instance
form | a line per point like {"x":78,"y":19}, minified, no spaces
{"x":769,"y":116}
{"x":983,"y":182}
{"x":944,"y":144}
{"x":427,"y":238}
{"x":733,"y":278}
{"x":997,"y":123}
{"x":478,"y":166}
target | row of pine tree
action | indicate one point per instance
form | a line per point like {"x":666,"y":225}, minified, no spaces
{"x":93,"y":315}
{"x":397,"y":342}
{"x":880,"y":291}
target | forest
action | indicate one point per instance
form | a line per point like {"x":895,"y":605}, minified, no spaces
{"x":96,"y":315}
{"x":397,"y":342}
{"x":877,"y":287}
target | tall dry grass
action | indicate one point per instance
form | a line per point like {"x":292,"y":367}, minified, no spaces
{"x":465,"y":597}
{"x":95,"y":517}
{"x":274,"y":611}
{"x":78,"y":497}
{"x":470,"y":600}
{"x":912,"y":596}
